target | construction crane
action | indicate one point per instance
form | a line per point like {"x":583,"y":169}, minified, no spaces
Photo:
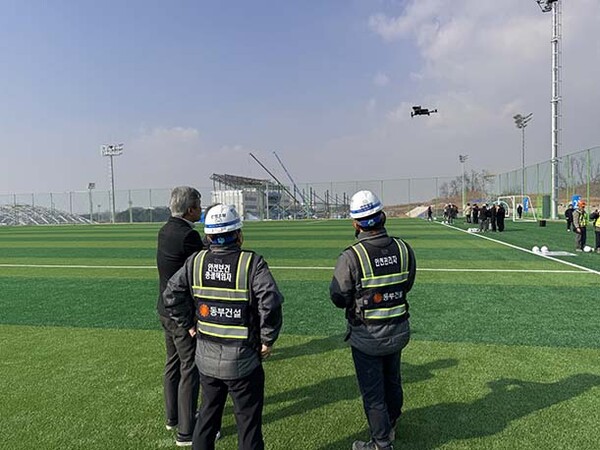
{"x":291,"y":179}
{"x":279,"y":183}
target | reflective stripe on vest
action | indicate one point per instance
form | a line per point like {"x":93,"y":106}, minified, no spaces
{"x":385,"y":313}
{"x":223,"y":331}
{"x":240,"y":293}
{"x":212,"y":300}
{"x":370,"y":280}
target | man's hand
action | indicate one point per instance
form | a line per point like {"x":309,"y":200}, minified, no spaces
{"x":265,"y":351}
{"x":192,"y":331}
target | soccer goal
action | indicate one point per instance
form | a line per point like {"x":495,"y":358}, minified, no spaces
{"x":519,"y":208}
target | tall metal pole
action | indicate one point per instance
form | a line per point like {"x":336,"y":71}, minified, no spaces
{"x":110,"y":151}
{"x":463,"y":159}
{"x":112,"y":191}
{"x":556,"y":101}
{"x":90,"y":187}
{"x":521,"y":122}
{"x":523,"y":163}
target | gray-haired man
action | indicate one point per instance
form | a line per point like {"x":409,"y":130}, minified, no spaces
{"x":177,"y":240}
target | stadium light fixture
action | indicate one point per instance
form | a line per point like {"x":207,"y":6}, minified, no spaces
{"x":546,"y":5}
{"x":463,"y":160}
{"x":112,"y":150}
{"x":521,"y":123}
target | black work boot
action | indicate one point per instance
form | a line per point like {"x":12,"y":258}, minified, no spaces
{"x":361,"y":445}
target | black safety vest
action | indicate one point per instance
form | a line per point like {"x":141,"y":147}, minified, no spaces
{"x":384,"y":272}
{"x":221,"y":291}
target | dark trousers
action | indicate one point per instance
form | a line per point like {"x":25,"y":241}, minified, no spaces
{"x":381,"y":389}
{"x":248,"y":397}
{"x":580,"y":238}
{"x":500,"y":224}
{"x":569,"y":224}
{"x":181,"y":378}
{"x":597,"y":232}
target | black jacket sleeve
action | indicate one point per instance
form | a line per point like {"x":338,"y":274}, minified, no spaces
{"x":177,"y":297}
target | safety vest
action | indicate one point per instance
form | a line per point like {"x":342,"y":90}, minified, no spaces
{"x":221,"y":291}
{"x":583,"y":218}
{"x":384,"y":272}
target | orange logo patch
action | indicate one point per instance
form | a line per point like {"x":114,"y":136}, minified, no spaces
{"x":204,"y":310}
{"x":377,"y":297}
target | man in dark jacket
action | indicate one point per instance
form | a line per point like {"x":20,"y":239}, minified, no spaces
{"x":475,"y":213}
{"x":177,"y":240}
{"x":569,"y":217}
{"x":500,"y":216}
{"x":371,"y":281}
{"x":229,"y":300}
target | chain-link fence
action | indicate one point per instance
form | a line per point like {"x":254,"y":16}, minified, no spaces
{"x":578,"y":174}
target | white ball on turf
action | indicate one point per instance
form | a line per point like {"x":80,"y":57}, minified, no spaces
{"x":544,"y":249}
{"x":587,"y":249}
{"x":535,"y":249}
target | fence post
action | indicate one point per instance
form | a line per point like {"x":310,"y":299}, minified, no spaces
{"x":130,"y":205}
{"x":588,"y":175}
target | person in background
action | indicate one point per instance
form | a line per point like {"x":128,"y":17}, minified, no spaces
{"x":580,"y":220}
{"x":429,"y":213}
{"x":467,"y":212}
{"x":371,"y":281}
{"x":519,"y":211}
{"x":228,"y":299}
{"x":493,"y":216}
{"x":177,"y":240}
{"x":500,"y":216}
{"x":569,"y":217}
{"x":594,"y":218}
{"x":475,"y":213}
{"x":483,"y":218}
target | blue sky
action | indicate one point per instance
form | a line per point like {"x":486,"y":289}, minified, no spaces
{"x":191,"y":87}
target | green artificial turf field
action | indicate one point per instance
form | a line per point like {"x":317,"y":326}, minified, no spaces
{"x":505,"y":349}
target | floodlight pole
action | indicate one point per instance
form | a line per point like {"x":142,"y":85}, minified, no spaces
{"x":555,"y":6}
{"x":463,"y":159}
{"x":112,"y":150}
{"x":91,"y":186}
{"x":521,"y":122}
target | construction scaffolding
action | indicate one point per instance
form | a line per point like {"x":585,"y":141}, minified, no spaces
{"x":261,"y":199}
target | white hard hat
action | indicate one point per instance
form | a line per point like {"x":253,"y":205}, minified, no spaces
{"x":364,"y":204}
{"x":222,"y":219}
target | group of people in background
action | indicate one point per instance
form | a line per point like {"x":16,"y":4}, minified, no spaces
{"x":221,"y":312}
{"x":577,"y":221}
{"x":487,"y":217}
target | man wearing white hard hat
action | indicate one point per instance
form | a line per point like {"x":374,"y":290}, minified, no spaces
{"x":371,"y":281}
{"x":233,"y":305}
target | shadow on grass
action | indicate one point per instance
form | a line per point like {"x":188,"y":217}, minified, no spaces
{"x":510,"y":399}
{"x":305,"y":399}
{"x":312,"y":347}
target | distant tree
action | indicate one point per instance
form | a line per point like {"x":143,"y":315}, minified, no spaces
{"x":475,"y":184}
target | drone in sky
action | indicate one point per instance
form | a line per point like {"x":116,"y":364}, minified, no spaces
{"x":418,"y":111}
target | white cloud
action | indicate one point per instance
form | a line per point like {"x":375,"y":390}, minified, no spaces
{"x":381,"y":79}
{"x":481,"y":63}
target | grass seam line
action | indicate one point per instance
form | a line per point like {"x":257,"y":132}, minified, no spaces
{"x":419,"y":269}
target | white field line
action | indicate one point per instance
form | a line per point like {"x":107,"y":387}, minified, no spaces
{"x":586,"y":269}
{"x":419,"y":269}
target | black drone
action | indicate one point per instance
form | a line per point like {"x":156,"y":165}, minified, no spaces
{"x":418,"y":111}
